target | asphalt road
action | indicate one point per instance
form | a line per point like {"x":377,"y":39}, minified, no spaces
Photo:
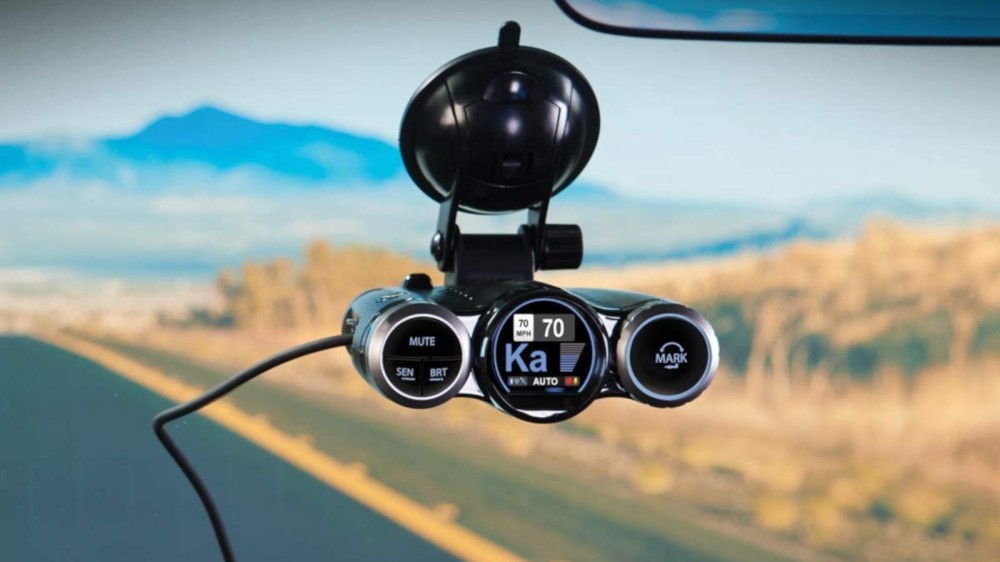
{"x":83,"y":478}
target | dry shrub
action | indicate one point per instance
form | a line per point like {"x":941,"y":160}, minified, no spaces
{"x":796,"y":450}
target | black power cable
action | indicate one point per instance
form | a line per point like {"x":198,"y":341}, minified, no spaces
{"x":213,"y":394}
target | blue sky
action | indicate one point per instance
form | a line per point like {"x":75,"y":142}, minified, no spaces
{"x":769,"y":124}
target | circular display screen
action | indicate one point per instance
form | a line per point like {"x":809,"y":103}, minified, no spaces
{"x":545,"y":355}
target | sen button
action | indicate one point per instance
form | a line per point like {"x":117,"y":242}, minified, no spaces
{"x":404,"y":374}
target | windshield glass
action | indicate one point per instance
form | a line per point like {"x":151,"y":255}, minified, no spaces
{"x":188,"y":187}
{"x":846,"y":18}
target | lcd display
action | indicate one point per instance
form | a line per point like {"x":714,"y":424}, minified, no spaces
{"x":543,"y":347}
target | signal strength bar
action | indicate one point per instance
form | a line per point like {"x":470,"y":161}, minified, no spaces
{"x":569,"y":354}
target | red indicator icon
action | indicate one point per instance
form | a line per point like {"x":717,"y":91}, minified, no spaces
{"x":572,"y":381}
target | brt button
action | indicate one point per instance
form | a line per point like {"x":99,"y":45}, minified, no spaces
{"x":439,"y":374}
{"x":418,"y":376}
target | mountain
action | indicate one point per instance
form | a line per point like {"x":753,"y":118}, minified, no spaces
{"x":206,"y":142}
{"x":625,"y":230}
{"x":190,"y":192}
{"x":893,"y":204}
{"x":755,"y":239}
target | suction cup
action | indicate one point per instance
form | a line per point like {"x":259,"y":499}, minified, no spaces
{"x":514,"y":125}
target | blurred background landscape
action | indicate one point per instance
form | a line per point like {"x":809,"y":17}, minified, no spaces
{"x":834,"y":212}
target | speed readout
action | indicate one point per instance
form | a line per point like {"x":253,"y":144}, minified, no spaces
{"x":544,"y":327}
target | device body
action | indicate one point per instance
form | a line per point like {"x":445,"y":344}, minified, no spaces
{"x":498,"y":130}
{"x":535,"y":351}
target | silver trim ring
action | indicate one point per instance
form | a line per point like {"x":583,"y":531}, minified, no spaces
{"x":646,"y":315}
{"x":391,"y":319}
{"x":598,"y":366}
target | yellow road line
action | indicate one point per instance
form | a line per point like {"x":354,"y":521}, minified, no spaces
{"x":407,"y":513}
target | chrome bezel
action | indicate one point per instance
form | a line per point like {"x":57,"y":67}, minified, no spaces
{"x":639,"y":319}
{"x":382,"y":328}
{"x":486,"y":368}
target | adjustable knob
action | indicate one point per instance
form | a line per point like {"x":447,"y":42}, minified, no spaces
{"x":561,"y":247}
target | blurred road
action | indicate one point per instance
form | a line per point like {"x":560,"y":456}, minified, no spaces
{"x":83,"y":478}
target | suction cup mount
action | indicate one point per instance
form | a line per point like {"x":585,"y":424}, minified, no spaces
{"x":494,"y":131}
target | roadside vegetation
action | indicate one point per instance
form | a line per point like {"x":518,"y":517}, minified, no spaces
{"x":855,"y":414}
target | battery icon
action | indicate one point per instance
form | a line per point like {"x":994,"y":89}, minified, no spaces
{"x":572,"y":381}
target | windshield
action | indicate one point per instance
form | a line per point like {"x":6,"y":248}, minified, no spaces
{"x":186,"y":188}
